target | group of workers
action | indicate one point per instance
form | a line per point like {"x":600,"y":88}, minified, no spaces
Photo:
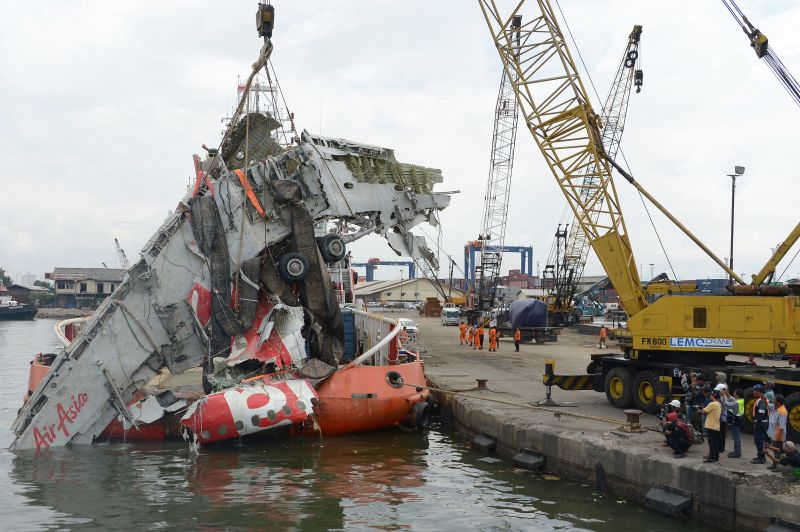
{"x":472,"y":336}
{"x":715,"y":411}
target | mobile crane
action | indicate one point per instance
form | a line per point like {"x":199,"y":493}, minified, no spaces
{"x":674,"y":332}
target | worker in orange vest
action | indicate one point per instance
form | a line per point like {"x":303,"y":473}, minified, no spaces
{"x":470,"y":334}
{"x":493,"y":339}
{"x":517,"y":338}
{"x":462,"y":334}
{"x":479,"y":337}
{"x":603,"y":334}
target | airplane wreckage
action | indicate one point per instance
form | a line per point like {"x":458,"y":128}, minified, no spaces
{"x":237,"y":281}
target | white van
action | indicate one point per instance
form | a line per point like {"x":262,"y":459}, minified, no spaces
{"x":450,"y":316}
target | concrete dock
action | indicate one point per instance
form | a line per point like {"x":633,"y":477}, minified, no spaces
{"x":730,"y":494}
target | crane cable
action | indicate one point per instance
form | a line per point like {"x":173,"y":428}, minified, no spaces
{"x":780,"y":71}
{"x":621,"y":151}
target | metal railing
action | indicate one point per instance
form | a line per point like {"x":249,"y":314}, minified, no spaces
{"x":376,"y":338}
{"x":67,"y":330}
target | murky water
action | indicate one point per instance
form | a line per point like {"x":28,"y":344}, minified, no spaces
{"x":389,"y":480}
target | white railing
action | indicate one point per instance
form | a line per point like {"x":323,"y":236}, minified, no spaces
{"x":374,"y":335}
{"x":61,"y":326}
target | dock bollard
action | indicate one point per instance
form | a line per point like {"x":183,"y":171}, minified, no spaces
{"x":633,"y":421}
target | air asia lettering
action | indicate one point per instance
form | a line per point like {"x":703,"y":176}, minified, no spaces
{"x":66,"y":416}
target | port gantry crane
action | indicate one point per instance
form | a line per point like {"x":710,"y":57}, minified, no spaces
{"x":672,"y":333}
{"x":564,"y":267}
{"x":498,"y":189}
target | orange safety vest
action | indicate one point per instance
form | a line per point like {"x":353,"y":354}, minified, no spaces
{"x":463,"y":329}
{"x":492,"y":334}
{"x":517,"y":335}
{"x":602,"y":332}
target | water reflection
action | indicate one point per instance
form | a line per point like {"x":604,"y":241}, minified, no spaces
{"x":299,"y":483}
{"x":390,"y":480}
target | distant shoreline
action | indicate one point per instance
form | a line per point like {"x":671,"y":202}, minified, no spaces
{"x":62,"y":313}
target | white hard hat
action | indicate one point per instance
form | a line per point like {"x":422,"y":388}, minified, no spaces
{"x":675,"y":403}
{"x":719,"y":387}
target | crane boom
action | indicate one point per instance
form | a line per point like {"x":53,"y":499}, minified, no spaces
{"x":123,"y":260}
{"x":566,"y":268}
{"x":495,"y":211}
{"x":556,"y":109}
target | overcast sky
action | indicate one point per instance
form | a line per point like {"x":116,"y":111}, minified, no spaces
{"x":103,"y":103}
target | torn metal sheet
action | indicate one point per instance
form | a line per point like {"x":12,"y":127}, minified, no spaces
{"x":251,"y":407}
{"x":175,"y":309}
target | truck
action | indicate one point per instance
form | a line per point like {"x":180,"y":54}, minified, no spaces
{"x":665,"y":333}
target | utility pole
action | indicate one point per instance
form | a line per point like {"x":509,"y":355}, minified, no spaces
{"x":651,"y":271}
{"x":738,"y":171}
{"x":401,"y":287}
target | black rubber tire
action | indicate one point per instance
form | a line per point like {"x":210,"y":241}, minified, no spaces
{"x":644,"y":392}
{"x":792,"y":404}
{"x":332,"y":247}
{"x":593,"y":368}
{"x":422,"y":415}
{"x":619,"y":387}
{"x":293,"y":267}
{"x":747,"y":418}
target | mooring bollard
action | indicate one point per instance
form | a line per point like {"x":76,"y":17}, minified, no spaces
{"x":481,"y":383}
{"x":633,"y":419}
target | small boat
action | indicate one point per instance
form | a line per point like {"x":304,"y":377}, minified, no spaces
{"x":13,"y":310}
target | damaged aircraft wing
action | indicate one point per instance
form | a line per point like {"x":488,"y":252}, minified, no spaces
{"x":218,"y":280}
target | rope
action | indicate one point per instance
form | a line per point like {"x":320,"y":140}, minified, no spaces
{"x":556,"y":413}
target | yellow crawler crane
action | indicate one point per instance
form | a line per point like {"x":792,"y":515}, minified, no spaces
{"x":675,"y":332}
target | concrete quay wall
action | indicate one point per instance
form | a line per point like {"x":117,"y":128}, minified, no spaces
{"x":623,"y":463}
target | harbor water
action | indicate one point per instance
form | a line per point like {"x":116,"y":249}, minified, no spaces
{"x":389,"y":480}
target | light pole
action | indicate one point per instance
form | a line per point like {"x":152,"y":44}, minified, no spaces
{"x":737,"y":172}
{"x":401,"y":287}
{"x":651,"y":271}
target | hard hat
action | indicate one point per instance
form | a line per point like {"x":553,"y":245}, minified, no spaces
{"x":789,"y":446}
{"x":675,"y":403}
{"x":758,"y":388}
{"x":719,"y":387}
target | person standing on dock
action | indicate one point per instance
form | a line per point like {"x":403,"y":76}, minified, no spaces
{"x":517,"y":338}
{"x":776,"y":432}
{"x":603,"y":334}
{"x":479,"y":338}
{"x":712,"y":411}
{"x":493,"y":339}
{"x":760,"y":423}
{"x":462,"y":333}
{"x":735,"y":417}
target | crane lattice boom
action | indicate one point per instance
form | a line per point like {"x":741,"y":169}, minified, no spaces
{"x":495,"y":212}
{"x":557,"y":111}
{"x":566,"y":269}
